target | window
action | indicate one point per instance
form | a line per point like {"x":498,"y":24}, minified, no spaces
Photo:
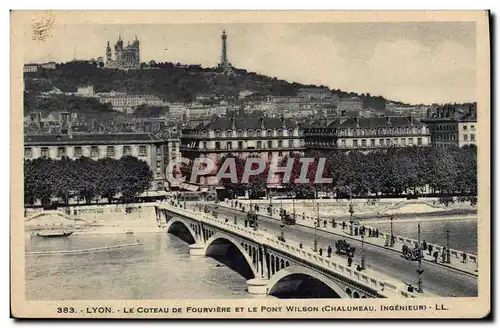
{"x":269,"y":144}
{"x":45,"y":152}
{"x":363,"y":143}
{"x":240,"y":144}
{"x":259,"y":144}
{"x":280,"y":153}
{"x":78,"y":151}
{"x":465,"y":137}
{"x":355,"y":143}
{"x":472,"y":137}
{"x":403,"y":141}
{"x":419,"y":141}
{"x":280,"y":143}
{"x":158,"y":151}
{"x":110,"y":151}
{"x":250,"y":133}
{"x":388,"y":142}
{"x":381,"y":142}
{"x":217,"y":134}
{"x":61,"y":151}
{"x":465,"y":127}
{"x":229,"y":133}
{"x":290,"y":143}
{"x":472,"y":127}
{"x":204,"y":145}
{"x":217,"y":145}
{"x":395,"y":141}
{"x":269,"y":132}
{"x":28,"y":152}
{"x":419,"y":130}
{"x":142,"y":151}
{"x":229,"y":145}
{"x":410,"y":141}
{"x":126,"y":150}
{"x":269,"y":155}
{"x":280,"y":133}
{"x":342,"y":142}
{"x":240,"y":133}
{"x":94,"y":151}
{"x":372,"y":142}
{"x":354,"y":132}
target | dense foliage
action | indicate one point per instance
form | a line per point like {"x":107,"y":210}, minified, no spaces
{"x":393,"y":172}
{"x":84,"y":178}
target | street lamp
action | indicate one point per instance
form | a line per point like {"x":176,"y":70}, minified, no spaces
{"x":447,"y":246}
{"x":392,"y":234}
{"x":351,"y":212}
{"x":293,"y":204}
{"x":419,"y":270}
{"x":363,"y":251}
{"x":315,"y":249}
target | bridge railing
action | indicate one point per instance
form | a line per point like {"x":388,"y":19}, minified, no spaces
{"x":382,"y":286}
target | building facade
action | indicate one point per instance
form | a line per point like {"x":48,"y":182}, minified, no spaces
{"x":268,"y":138}
{"x":366,"y":133}
{"x":155,"y":151}
{"x":126,"y":103}
{"x":449,"y":128}
{"x":353,"y":103}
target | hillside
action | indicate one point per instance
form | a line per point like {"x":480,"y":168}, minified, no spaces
{"x":171,"y":82}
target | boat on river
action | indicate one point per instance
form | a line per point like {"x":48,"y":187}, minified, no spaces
{"x":54,"y":234}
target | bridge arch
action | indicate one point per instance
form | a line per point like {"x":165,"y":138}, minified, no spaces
{"x":179,"y":221}
{"x":221,"y":238}
{"x":297,"y":270}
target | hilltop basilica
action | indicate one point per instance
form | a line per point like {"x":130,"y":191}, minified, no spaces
{"x":125,"y":57}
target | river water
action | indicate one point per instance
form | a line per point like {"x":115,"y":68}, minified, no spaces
{"x":160,"y":268}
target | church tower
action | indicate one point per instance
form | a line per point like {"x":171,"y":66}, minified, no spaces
{"x":108,"y":53}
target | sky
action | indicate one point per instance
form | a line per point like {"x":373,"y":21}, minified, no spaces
{"x":429,"y":62}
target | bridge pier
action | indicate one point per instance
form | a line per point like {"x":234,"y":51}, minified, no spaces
{"x":257,"y":286}
{"x":197,"y":249}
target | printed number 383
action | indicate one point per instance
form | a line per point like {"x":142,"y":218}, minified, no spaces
{"x":66,"y":310}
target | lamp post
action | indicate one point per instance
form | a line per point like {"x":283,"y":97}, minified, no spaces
{"x":184,"y":196}
{"x":392,"y":234}
{"x":447,"y":246}
{"x":419,"y":270}
{"x":315,"y":246}
{"x":351,"y":212}
{"x":293,"y":204}
{"x":362,"y":251}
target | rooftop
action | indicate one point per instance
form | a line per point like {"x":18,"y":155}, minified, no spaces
{"x":224,"y":123}
{"x":114,"y":138}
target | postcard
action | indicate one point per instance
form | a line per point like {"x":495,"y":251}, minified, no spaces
{"x":250,"y":164}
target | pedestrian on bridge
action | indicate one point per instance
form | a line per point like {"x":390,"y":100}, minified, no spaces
{"x":443,"y":255}
{"x":464,"y":257}
{"x":330,"y":251}
{"x":349,"y":261}
{"x":429,"y":248}
{"x":300,"y":245}
{"x":324,"y":223}
{"x":320,"y":252}
{"x":424,"y":245}
{"x":436,"y":254}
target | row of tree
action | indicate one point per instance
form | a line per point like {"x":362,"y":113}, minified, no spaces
{"x":84,"y":178}
{"x":393,"y":172}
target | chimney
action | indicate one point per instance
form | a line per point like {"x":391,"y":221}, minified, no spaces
{"x":233,"y":125}
{"x":282,"y":118}
{"x":410,"y":119}
{"x":388,"y":120}
{"x":262,"y":123}
{"x":356,"y":121}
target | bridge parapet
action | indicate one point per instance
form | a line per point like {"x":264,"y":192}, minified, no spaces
{"x":382,"y":286}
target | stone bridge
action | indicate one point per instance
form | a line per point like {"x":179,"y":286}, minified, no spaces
{"x":272,"y":267}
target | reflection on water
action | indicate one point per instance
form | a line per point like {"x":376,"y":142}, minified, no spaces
{"x":463,"y":233}
{"x":160,"y":268}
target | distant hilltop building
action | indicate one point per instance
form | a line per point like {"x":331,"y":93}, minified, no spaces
{"x":127,"y":57}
